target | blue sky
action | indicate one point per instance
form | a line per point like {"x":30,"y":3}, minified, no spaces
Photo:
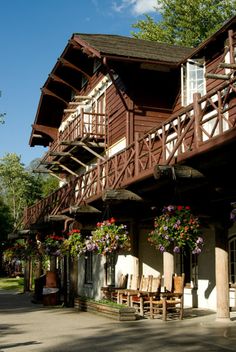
{"x":33,"y":34}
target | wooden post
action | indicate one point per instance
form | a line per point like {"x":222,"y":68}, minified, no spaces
{"x":168,"y":269}
{"x":198,"y":114}
{"x":27,"y":275}
{"x":136,"y":156}
{"x":222,"y":273}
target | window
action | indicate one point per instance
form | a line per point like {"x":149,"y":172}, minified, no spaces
{"x":96,"y":65}
{"x":232,"y":260}
{"x":192,"y":80}
{"x":88,"y":268}
{"x":84,"y":81}
{"x":188,"y":263}
{"x":110,"y":268}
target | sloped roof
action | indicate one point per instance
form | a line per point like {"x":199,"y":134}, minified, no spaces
{"x":126,"y":47}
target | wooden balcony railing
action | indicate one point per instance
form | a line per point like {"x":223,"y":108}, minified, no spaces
{"x":208,"y":122}
{"x":84,"y":125}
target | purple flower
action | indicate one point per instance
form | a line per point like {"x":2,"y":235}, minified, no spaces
{"x":196,"y":250}
{"x":199,"y":240}
{"x":162,"y":249}
{"x":176,"y":249}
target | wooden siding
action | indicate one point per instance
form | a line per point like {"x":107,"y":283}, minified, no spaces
{"x":148,"y":119}
{"x":181,"y":137}
{"x":116,"y":112}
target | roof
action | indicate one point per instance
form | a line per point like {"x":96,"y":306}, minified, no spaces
{"x":132,"y":48}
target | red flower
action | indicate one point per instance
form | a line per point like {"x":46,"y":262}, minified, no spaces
{"x":179,"y":207}
{"x":112,"y":220}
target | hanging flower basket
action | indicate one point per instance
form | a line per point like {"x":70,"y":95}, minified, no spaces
{"x":53,"y":244}
{"x":108,"y":237}
{"x":22,"y":250}
{"x":74,"y":244}
{"x":175,"y":230}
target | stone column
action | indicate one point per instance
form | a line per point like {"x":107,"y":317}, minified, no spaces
{"x":168,"y":269}
{"x":222,"y":273}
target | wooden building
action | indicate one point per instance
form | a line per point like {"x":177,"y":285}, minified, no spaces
{"x":132,"y":125}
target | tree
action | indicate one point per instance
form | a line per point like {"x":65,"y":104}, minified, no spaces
{"x":183,"y":22}
{"x":18,"y":187}
{"x":48,"y":182}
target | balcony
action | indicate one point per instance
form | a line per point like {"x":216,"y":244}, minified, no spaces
{"x":87,"y":127}
{"x":206,"y":124}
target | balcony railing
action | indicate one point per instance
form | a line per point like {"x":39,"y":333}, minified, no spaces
{"x":84,"y":125}
{"x":208,"y":122}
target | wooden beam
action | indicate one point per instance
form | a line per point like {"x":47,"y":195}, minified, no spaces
{"x":74,"y":67}
{"x":50,"y":131}
{"x":67,"y":169}
{"x":57,"y":163}
{"x":40,"y":171}
{"x":69,"y":155}
{"x":60,"y":80}
{"x":70,"y":110}
{"x":49,"y":92}
{"x":120,"y":194}
{"x":59,"y":153}
{"x":83,"y":97}
{"x":57,"y":217}
{"x":84,"y":209}
{"x":226,"y":65}
{"x":77,"y":160}
{"x":76,"y":103}
{"x":217,"y":76}
{"x":81,"y":144}
{"x":93,"y":152}
{"x":176,"y":171}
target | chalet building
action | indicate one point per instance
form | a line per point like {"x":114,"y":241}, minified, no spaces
{"x":130,"y":126}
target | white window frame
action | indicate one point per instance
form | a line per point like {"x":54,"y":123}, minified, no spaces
{"x":192,"y":80}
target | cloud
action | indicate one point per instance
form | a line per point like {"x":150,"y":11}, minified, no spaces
{"x":137,"y":7}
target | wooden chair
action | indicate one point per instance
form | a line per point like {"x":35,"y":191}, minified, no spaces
{"x":110,"y":292}
{"x":141,"y":300}
{"x":123,"y":295}
{"x":172,"y":302}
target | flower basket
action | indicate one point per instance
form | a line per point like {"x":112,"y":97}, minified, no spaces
{"x":53,"y":244}
{"x":74,"y":244}
{"x":22,"y":251}
{"x":175,"y":230}
{"x":108,"y":237}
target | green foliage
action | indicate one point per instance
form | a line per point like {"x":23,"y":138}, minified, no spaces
{"x":6,"y":221}
{"x":74,"y":244}
{"x":15,"y":284}
{"x":110,"y":237}
{"x":175,"y":229}
{"x":18,"y":187}
{"x":185,"y":23}
{"x":49,"y":185}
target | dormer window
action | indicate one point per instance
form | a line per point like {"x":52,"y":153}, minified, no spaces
{"x":84,"y":81}
{"x":192,"y":80}
{"x":96,"y":65}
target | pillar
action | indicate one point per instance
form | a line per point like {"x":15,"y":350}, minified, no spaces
{"x":168,"y":269}
{"x":222,"y":273}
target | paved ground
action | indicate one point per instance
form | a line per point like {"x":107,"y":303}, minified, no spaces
{"x":25,"y":326}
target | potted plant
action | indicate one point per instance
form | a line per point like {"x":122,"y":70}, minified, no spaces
{"x":74,"y":244}
{"x":53,"y":244}
{"x":176,"y":229}
{"x":109,"y":237}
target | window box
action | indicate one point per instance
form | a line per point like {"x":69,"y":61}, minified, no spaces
{"x":109,"y":309}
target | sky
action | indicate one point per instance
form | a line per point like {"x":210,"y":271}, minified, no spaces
{"x":33,"y":34}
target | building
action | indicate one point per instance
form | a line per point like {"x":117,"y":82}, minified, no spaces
{"x":130,"y":126}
